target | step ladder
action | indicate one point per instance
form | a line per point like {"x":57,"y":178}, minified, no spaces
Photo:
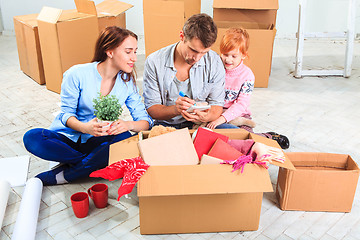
{"x":349,"y":35}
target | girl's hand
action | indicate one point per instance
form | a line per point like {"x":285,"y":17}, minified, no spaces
{"x":118,"y":127}
{"x":216,"y":122}
{"x":95,"y":128}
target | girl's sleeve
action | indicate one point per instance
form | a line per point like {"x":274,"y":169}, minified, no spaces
{"x":70,"y":92}
{"x":241,"y":104}
{"x":136,"y":106}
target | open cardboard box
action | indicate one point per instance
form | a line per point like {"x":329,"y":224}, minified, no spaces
{"x":200,"y":198}
{"x":258,"y":17}
{"x":164,"y":19}
{"x":68,"y":37}
{"x":321,"y":182}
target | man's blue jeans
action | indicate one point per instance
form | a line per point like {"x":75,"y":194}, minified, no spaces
{"x":82,"y":158}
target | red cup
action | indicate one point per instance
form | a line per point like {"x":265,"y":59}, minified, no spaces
{"x":99,"y":194}
{"x":80,"y":204}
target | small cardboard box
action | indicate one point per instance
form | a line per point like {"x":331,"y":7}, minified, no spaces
{"x":321,"y":182}
{"x":204,"y":198}
{"x":258,"y":17}
{"x":27,"y":40}
{"x":164,"y":19}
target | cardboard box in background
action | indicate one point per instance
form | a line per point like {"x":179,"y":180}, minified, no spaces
{"x":27,"y":40}
{"x":202,"y":198}
{"x":258,"y":17}
{"x":109,"y":12}
{"x":66,"y":39}
{"x":164,"y":19}
{"x":321,"y":182}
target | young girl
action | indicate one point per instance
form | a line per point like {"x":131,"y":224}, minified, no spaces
{"x":239,"y":84}
{"x":75,"y":138}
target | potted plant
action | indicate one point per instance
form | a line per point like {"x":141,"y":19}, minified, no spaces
{"x":107,"y":108}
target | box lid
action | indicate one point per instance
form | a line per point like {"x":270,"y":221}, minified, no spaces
{"x":203,"y":179}
{"x":125,"y":149}
{"x":246,"y":4}
{"x":112,"y":8}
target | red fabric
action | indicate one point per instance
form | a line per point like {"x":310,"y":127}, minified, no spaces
{"x":130,"y":170}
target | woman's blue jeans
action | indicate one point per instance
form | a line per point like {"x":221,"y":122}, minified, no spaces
{"x":82,"y":158}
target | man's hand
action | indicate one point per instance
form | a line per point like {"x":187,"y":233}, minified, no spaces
{"x":183,"y":103}
{"x":196,"y":116}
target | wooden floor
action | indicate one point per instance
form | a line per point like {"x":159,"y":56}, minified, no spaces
{"x":317,"y":114}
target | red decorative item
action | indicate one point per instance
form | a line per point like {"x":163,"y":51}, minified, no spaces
{"x":130,"y":170}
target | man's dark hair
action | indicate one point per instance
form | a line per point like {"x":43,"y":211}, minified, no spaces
{"x":202,"y":27}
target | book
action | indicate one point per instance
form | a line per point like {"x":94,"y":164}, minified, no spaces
{"x":205,"y":139}
{"x":224,"y":151}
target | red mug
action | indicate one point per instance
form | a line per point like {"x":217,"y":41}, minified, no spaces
{"x":99,"y":194}
{"x":80,"y":204}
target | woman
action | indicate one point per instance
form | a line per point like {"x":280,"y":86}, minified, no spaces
{"x":75,"y":138}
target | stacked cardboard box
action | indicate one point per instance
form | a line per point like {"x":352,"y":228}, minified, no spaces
{"x":31,"y":51}
{"x":258,"y":17}
{"x":27,"y":40}
{"x":197,"y":198}
{"x":164,"y":19}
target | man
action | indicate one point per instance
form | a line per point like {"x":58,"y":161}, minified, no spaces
{"x":188,"y":66}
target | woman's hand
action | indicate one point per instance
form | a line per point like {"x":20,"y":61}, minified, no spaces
{"x":120,"y":126}
{"x":95,"y":128}
{"x":216,"y":122}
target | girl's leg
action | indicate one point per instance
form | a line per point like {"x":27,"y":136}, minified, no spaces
{"x":226,"y":126}
{"x":97,"y":157}
{"x":52,"y":146}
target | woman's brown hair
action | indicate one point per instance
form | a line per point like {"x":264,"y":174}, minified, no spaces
{"x":109,"y":39}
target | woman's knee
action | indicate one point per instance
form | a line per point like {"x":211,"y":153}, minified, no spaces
{"x":31,"y":137}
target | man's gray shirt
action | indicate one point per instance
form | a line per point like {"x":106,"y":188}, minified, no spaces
{"x":207,"y":79}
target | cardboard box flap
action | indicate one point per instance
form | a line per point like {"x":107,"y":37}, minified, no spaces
{"x":86,"y":6}
{"x":246,"y":4}
{"x":49,"y":14}
{"x":203,"y":179}
{"x":272,"y":143}
{"x":124,"y":149}
{"x":174,"y":148}
{"x":329,"y":160}
{"x":112,"y":7}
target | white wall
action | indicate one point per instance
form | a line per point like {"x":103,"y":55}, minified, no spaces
{"x":322,"y":15}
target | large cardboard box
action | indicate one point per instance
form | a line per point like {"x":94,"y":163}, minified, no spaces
{"x":258,"y":17}
{"x":321,"y":182}
{"x":66,"y":39}
{"x":200,"y":198}
{"x":28,"y":44}
{"x":164,"y":19}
